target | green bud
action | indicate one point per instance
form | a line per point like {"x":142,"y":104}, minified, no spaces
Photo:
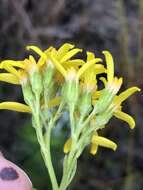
{"x":104,"y":101}
{"x":27,"y":93}
{"x":36,"y":82}
{"x":85,"y":104}
{"x":103,"y":118}
{"x":48,"y":75}
{"x":70,"y":92}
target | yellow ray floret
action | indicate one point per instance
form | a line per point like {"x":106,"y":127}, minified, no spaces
{"x":67,"y":145}
{"x":125,"y":117}
{"x":90,"y":55}
{"x":13,"y":63}
{"x":110,"y":66}
{"x":37,"y":50}
{"x":10,"y":78}
{"x":63,"y":50}
{"x":93,"y":149}
{"x":9,"y":68}
{"x":124,"y":95}
{"x":98,"y":69}
{"x":115,"y":85}
{"x":103,"y":79}
{"x":73,"y":63}
{"x":57,"y":64}
{"x":101,"y":141}
{"x":89,"y":80}
{"x":87,"y":65}
{"x":15,"y":106}
{"x":53,"y":102}
{"x":70,"y":54}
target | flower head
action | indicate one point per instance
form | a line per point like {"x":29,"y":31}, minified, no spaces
{"x":57,"y":79}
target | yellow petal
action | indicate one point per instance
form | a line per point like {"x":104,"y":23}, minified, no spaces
{"x":104,"y":142}
{"x":30,"y":66}
{"x":87,"y":65}
{"x":10,"y":78}
{"x":124,"y":95}
{"x":12,"y":63}
{"x":47,"y":51}
{"x":15,"y":106}
{"x":125,"y":117}
{"x":115,"y":85}
{"x":32,"y":59}
{"x":90,"y":56}
{"x":64,"y":50}
{"x":23,"y":76}
{"x":74,"y":63}
{"x":41,"y":62}
{"x":93,"y":149}
{"x":54,"y":102}
{"x":11,"y":70}
{"x":37,"y":50}
{"x":99,"y":69}
{"x":59,"y":67}
{"x":67,"y":145}
{"x":103,"y":80}
{"x":96,"y":94}
{"x":110,"y":65}
{"x":70,"y":54}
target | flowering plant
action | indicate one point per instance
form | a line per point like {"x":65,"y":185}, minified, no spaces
{"x":56,"y":83}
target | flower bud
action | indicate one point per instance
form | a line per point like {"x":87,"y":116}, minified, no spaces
{"x":36,"y":82}
{"x":85,"y":104}
{"x":27,"y":92}
{"x":107,"y":95}
{"x":34,"y":75}
{"x":12,"y":177}
{"x":70,"y":89}
{"x":103,"y":118}
{"x":48,"y":74}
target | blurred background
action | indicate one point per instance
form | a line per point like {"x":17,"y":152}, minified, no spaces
{"x":94,"y":25}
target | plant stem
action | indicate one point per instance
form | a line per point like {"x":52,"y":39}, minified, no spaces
{"x":69,"y":165}
{"x":48,"y":159}
{"x":68,"y":168}
{"x":45,"y":145}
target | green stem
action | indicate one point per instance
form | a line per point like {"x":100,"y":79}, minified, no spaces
{"x":69,"y":165}
{"x":48,"y":159}
{"x":45,"y":145}
{"x":68,"y":168}
{"x":46,"y":154}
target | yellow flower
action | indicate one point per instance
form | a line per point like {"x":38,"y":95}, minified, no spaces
{"x":18,"y":70}
{"x":89,"y":81}
{"x":19,"y":107}
{"x":95,"y":142}
{"x":113,"y":83}
{"x":9,"y":78}
{"x":13,"y":76}
{"x":61,"y":57}
{"x":19,"y":75}
{"x":101,"y":141}
{"x":116,"y":106}
{"x":63,"y":54}
{"x":80,"y":71}
{"x":15,"y":106}
{"x":67,"y":145}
